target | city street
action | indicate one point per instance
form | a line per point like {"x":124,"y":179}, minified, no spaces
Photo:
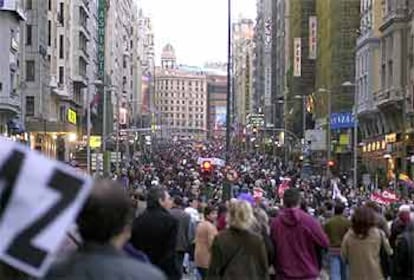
{"x":206,"y":140}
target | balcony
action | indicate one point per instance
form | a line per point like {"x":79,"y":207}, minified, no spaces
{"x":11,"y":104}
{"x":366,"y":106}
{"x":388,"y":97}
{"x":397,"y":15}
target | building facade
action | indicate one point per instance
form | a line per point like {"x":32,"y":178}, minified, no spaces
{"x":119,"y":67}
{"x":243,"y":69}
{"x":301,"y":74}
{"x":367,"y":83}
{"x":11,"y":50}
{"x":394,"y":97}
{"x":280,"y":58}
{"x":143,"y":71}
{"x":262,"y":93}
{"x":216,"y":104}
{"x":180,"y":97}
{"x":56,"y":60}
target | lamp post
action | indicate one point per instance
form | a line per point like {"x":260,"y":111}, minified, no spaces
{"x":228,"y":105}
{"x":328,"y":133}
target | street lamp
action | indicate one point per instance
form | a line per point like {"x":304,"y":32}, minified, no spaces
{"x":329,"y":93}
{"x":228,"y":105}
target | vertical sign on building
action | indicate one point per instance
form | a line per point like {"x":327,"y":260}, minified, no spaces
{"x":313,"y":37}
{"x":97,"y":122}
{"x":247,"y":89}
{"x":101,"y":39}
{"x":297,"y":57}
{"x":268,"y":63}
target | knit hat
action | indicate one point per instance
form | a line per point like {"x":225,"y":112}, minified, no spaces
{"x":404,"y":208}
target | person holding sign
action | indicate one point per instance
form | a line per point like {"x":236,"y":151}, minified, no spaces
{"x":105,"y":226}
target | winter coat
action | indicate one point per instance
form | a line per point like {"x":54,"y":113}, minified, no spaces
{"x":238,"y":254}
{"x":99,"y":262}
{"x":404,"y":255}
{"x":298,"y":240}
{"x":184,"y":227}
{"x":363,"y":254}
{"x":155,"y":233}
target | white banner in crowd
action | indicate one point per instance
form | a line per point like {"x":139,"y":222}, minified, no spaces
{"x":214,"y":161}
{"x":39,"y":201}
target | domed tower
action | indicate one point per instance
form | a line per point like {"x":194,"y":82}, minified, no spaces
{"x":168,"y":59}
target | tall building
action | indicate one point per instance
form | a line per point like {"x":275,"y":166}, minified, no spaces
{"x":280,"y":58}
{"x":368,"y":81}
{"x":11,"y":16}
{"x":338,"y":22}
{"x":262,"y":94}
{"x":301,"y":74}
{"x":143,"y":71}
{"x":216,"y":103}
{"x":394,"y":92}
{"x":118,"y":59}
{"x":56,"y":60}
{"x":181,"y":97}
{"x":243,"y":69}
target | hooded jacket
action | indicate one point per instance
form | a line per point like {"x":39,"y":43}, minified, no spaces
{"x":298,"y":239}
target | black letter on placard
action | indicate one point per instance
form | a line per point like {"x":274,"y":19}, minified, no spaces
{"x":9,"y":172}
{"x":22,"y":247}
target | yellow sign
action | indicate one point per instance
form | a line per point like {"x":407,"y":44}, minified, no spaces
{"x":391,"y":138}
{"x":95,"y":141}
{"x":72,"y":116}
{"x":344,"y":139}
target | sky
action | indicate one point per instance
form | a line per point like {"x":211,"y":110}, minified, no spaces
{"x":197,"y":29}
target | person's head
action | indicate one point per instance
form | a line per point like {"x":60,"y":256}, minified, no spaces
{"x":107,"y":215}
{"x":210,"y":213}
{"x":178,"y":201}
{"x":193,"y":202}
{"x":374,"y":206}
{"x":158,"y":197}
{"x":363,"y":220}
{"x":339,"y":208}
{"x":291,"y":198}
{"x":240,"y":215}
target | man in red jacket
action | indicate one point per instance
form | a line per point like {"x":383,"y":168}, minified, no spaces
{"x":298,"y":239}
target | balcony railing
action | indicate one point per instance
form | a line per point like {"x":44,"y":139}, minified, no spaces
{"x":387,"y":96}
{"x":10,"y":103}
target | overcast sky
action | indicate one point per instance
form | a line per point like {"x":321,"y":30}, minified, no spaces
{"x":196,"y":28}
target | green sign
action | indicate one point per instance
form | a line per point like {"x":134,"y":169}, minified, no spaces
{"x":101,"y":39}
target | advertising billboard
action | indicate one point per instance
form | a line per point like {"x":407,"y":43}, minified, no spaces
{"x":220,"y":117}
{"x":145,"y":93}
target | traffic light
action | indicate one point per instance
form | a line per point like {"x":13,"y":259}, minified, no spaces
{"x":331,"y":163}
{"x":206,"y":166}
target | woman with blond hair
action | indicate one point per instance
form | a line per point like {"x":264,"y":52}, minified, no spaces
{"x":238,"y":253}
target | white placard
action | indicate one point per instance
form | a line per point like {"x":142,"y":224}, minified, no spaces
{"x":316,"y":139}
{"x":313,"y":37}
{"x":297,"y":57}
{"x":39,"y":201}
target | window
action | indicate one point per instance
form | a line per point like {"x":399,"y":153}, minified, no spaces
{"x":28,"y":4}
{"x":30,"y":70}
{"x":50,"y":5}
{"x":28,"y":34}
{"x":61,"y":14}
{"x":61,"y":75}
{"x":30,"y":106}
{"x":49,"y":33}
{"x":61,"y":47}
{"x":82,"y":67}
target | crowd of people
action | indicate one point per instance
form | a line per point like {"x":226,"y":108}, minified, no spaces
{"x":169,"y":219}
